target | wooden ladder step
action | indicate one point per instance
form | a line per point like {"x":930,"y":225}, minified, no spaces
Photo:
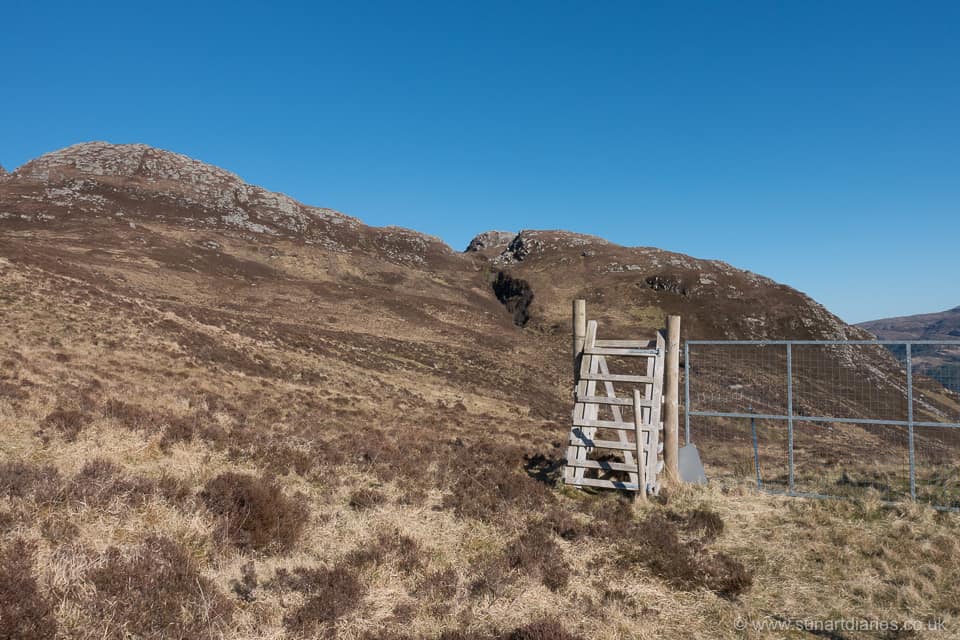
{"x":607,"y":351}
{"x":610,"y":424}
{"x":583,"y":441}
{"x":630,"y":344}
{"x":605,"y":484}
{"x":603,"y":464}
{"x":617,"y":377}
{"x":623,"y":402}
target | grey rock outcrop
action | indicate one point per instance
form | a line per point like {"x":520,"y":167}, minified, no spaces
{"x":490,"y":240}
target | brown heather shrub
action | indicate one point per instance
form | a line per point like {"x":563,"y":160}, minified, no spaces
{"x":392,"y":546}
{"x":130,"y":416}
{"x":12,"y":391}
{"x":25,"y":614}
{"x":97,"y":483}
{"x":488,"y":496}
{"x":492,"y":576}
{"x":100,"y":481}
{"x":254,"y":513}
{"x":703,"y":520}
{"x":562,"y":523}
{"x":460,"y":634}
{"x":68,"y":422}
{"x":177,"y":430}
{"x":58,"y":530}
{"x":156,"y":592}
{"x":25,"y":480}
{"x":544,"y":629}
{"x":329,"y":595}
{"x":439,"y":585}
{"x":366,"y":499}
{"x":413,"y":496}
{"x":536,"y":554}
{"x":247,"y":583}
{"x":668,"y":546}
{"x":281,"y":458}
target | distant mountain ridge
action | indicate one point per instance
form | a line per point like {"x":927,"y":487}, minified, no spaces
{"x":941,"y":362}
{"x":944,"y":325}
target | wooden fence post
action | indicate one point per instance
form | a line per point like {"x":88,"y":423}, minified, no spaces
{"x":641,"y":458}
{"x":671,"y":422}
{"x":579,"y":333}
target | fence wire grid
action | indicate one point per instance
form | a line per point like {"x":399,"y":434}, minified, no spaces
{"x":828,"y":418}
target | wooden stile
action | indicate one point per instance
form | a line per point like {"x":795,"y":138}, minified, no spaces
{"x":641,"y":452}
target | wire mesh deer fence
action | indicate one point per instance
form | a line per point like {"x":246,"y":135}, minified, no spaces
{"x":828,"y":418}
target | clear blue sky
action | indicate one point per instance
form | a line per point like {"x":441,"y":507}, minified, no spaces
{"x":815,"y":142}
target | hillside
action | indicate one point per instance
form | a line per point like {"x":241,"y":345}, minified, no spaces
{"x":273,"y":420}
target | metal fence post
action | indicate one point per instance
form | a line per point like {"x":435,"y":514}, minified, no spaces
{"x":756,"y":449}
{"x":790,"y":413}
{"x":913,"y":461}
{"x":686,"y":392}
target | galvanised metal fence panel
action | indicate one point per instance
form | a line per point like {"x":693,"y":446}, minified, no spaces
{"x":828,"y":418}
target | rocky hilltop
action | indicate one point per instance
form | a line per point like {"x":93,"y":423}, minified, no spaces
{"x":135,"y":181}
{"x":113,"y":188}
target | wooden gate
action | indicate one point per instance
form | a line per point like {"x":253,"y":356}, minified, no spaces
{"x":636,"y":451}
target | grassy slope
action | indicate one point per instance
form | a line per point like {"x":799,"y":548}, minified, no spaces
{"x":409,"y":418}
